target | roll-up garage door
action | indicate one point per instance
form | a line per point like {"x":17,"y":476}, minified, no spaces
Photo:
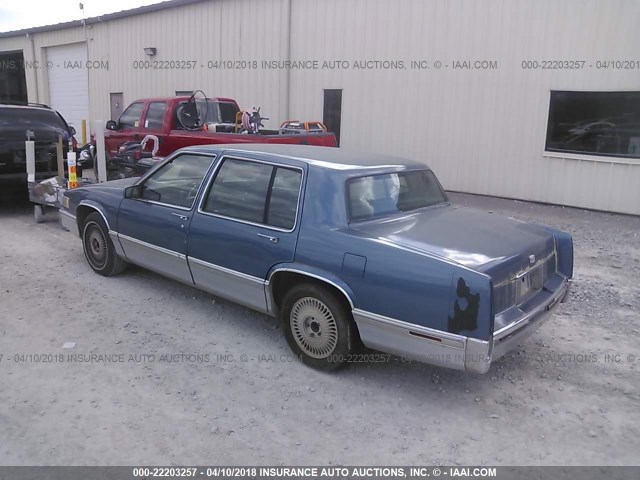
{"x":69,"y":82}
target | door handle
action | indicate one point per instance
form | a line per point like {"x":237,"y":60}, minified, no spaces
{"x":180,"y":216}
{"x":269,"y":237}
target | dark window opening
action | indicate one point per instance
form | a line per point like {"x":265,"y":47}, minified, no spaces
{"x":332,"y":112}
{"x":594,"y":123}
{"x":13,"y":84}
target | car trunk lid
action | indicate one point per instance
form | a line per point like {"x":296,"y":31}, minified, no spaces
{"x":500,"y":246}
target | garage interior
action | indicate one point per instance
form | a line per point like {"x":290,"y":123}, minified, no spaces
{"x":13,"y":84}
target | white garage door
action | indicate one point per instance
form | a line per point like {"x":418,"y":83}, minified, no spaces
{"x":69,"y":82}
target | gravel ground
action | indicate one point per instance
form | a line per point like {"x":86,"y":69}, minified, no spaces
{"x":570,"y":395}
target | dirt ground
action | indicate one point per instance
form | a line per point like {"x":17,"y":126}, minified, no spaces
{"x":181,"y":377}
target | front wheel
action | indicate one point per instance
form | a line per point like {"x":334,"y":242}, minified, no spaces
{"x":98,"y":247}
{"x":318,"y":326}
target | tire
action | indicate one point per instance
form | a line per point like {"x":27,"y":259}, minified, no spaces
{"x":98,"y":247}
{"x":38,"y":213}
{"x":309,"y":311}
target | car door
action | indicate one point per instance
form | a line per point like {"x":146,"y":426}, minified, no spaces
{"x":153,"y":224}
{"x":245,"y":224}
{"x":153,"y":122}
{"x":128,"y":127}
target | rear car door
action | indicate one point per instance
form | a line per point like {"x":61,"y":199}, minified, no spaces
{"x":153,"y":123}
{"x":128,"y":128}
{"x":246,"y":222}
{"x":152,"y":227}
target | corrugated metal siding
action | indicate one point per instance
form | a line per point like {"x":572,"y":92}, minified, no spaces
{"x":482,"y":131}
{"x":221,"y":30}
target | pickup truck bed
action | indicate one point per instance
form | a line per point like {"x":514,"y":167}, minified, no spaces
{"x":158,"y":116}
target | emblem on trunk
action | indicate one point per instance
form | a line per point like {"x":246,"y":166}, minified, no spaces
{"x":532,"y":259}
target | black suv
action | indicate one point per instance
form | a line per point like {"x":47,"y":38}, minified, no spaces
{"x":47,"y":125}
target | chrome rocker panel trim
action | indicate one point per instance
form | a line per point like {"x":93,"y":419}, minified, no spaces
{"x":68,"y":221}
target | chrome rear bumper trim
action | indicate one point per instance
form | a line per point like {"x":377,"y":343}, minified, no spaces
{"x":528,"y":317}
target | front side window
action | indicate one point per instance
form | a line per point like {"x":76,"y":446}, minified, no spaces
{"x":389,"y":193}
{"x":594,"y":123}
{"x":255,"y":192}
{"x":177,"y":182}
{"x":130,"y":118}
{"x":155,"y":115}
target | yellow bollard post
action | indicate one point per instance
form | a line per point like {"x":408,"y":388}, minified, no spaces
{"x":84,"y":132}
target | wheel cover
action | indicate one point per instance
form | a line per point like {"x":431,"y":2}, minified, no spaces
{"x":314,"y":327}
{"x":95,"y":245}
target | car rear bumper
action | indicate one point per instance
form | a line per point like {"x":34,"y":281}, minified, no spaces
{"x":415,"y":342}
{"x":508,"y":337}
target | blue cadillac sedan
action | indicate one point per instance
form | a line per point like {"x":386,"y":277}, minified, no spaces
{"x":344,"y":248}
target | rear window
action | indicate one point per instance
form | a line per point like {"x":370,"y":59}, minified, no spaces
{"x":389,"y":193}
{"x":26,"y":116}
{"x":228,"y":112}
{"x":211,"y":111}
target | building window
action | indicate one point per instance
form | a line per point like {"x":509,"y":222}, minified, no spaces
{"x":594,"y":123}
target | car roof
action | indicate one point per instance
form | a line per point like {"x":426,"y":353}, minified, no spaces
{"x":180,"y":98}
{"x":328,"y":157}
{"x":31,"y":106}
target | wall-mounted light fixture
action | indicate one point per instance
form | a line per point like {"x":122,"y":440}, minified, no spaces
{"x":151,"y":51}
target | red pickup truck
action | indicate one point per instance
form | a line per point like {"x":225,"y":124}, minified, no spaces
{"x":163,"y":118}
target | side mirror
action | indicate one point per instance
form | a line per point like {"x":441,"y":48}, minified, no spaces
{"x":72,"y":130}
{"x":111,"y":125}
{"x":134,"y":191}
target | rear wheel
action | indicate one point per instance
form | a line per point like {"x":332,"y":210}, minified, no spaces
{"x":98,"y":247}
{"x":38,"y":213}
{"x":318,"y":326}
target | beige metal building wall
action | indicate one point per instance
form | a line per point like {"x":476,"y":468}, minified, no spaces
{"x":217,"y":30}
{"x":483,"y":131}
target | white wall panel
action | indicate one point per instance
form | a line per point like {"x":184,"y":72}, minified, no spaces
{"x":68,"y":82}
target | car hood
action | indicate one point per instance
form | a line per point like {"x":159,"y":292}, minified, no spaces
{"x":119,"y":184}
{"x":490,"y":243}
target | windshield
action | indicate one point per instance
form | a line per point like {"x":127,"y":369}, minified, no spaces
{"x":389,"y":193}
{"x":12,"y":117}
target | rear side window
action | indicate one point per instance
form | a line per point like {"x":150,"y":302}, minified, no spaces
{"x":255,"y":192}
{"x":228,"y":112}
{"x":386,"y":194}
{"x":283,"y":202}
{"x":131,"y":116}
{"x":155,"y":115}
